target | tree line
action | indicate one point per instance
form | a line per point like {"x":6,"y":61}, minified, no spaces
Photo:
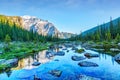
{"x":103,"y":32}
{"x":17,"y":33}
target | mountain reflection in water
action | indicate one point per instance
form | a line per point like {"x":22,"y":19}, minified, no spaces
{"x":26,"y":63}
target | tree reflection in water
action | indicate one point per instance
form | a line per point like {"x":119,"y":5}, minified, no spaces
{"x":27,"y":62}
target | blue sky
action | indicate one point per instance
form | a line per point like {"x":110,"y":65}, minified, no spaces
{"x":67,"y":15}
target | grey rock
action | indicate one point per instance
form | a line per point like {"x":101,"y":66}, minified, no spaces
{"x":117,"y":57}
{"x":56,"y":73}
{"x":50,"y":53}
{"x":118,"y":44}
{"x":91,"y":55}
{"x":43,"y":27}
{"x":36,"y":63}
{"x":87,"y":64}
{"x":85,"y":77}
{"x":114,"y":50}
{"x":67,"y":50}
{"x":77,"y":58}
{"x":80,"y":77}
{"x":60,"y":53}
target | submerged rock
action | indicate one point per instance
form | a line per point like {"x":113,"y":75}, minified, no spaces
{"x":36,"y":63}
{"x":85,"y":77}
{"x":77,"y":58}
{"x":56,"y":73}
{"x":56,"y":60}
{"x":50,"y":54}
{"x":117,"y":57}
{"x":80,"y":77}
{"x":60,"y":53}
{"x":67,"y":50}
{"x":91,"y":55}
{"x":87,"y":64}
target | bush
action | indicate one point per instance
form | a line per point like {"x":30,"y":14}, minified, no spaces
{"x":80,"y":50}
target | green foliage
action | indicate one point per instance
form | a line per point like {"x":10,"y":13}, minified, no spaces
{"x":17,"y":33}
{"x":21,"y":50}
{"x":117,"y":39}
{"x":80,"y":50}
{"x":108,"y":35}
{"x":107,"y":31}
{"x":7,"y":39}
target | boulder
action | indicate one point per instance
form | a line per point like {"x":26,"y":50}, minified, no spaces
{"x":91,"y":55}
{"x":77,"y":58}
{"x":56,"y":73}
{"x":56,"y":60}
{"x":11,"y":62}
{"x":114,"y":50}
{"x":97,"y":49}
{"x":80,"y":77}
{"x":67,"y":50}
{"x":85,"y":77}
{"x":36,"y":63}
{"x":60,"y":53}
{"x":87,"y":64}
{"x":117,"y":57}
{"x":118,"y":44}
{"x":50,"y":54}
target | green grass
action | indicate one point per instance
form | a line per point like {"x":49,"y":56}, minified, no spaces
{"x":20,"y":50}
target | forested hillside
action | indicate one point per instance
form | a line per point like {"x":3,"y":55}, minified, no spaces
{"x":11,"y":27}
{"x":105,"y":32}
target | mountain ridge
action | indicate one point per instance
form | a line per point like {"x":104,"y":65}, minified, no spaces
{"x":42,"y":27}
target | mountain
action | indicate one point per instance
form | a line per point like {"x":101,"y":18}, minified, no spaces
{"x":105,"y":25}
{"x":35,"y":24}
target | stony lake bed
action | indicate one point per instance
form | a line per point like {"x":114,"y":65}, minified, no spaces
{"x":65,"y":63}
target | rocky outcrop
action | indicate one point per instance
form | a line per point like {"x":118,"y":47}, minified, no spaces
{"x":77,"y":58}
{"x":50,"y":53}
{"x":60,"y":53}
{"x":42,"y":27}
{"x":117,"y":57}
{"x":36,"y":63}
{"x":56,"y":73}
{"x":91,"y":55}
{"x":87,"y":64}
{"x":114,"y":50}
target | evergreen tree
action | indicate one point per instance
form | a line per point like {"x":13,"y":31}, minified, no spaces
{"x":117,"y":39}
{"x":7,"y":39}
{"x":108,"y":35}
